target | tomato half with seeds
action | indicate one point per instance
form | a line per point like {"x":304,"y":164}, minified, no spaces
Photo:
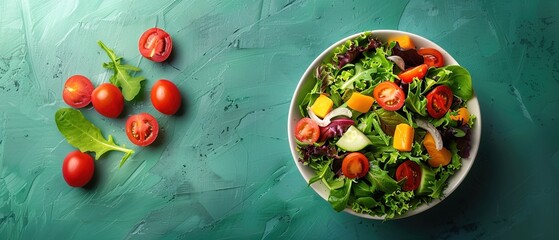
{"x":411,"y":171}
{"x":355,"y":165}
{"x":389,"y":96}
{"x":431,"y":57}
{"x":77,"y":91}
{"x":155,"y":44}
{"x":307,"y":131}
{"x":107,"y":100}
{"x":415,"y":72}
{"x":439,"y":101}
{"x":142,"y":129}
{"x":78,"y":168}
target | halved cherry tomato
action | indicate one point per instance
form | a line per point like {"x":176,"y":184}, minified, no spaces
{"x":155,"y":44}
{"x":165,"y":97}
{"x":78,"y":168}
{"x":307,"y":131}
{"x":431,"y":57}
{"x":355,"y":165}
{"x":410,"y":73}
{"x":107,"y":100}
{"x":142,"y":129}
{"x":389,"y":96}
{"x":77,"y":91}
{"x":439,"y":101}
{"x":411,"y":171}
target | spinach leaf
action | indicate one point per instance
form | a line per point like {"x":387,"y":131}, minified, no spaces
{"x":455,"y":77}
{"x":339,"y":198}
{"x":130,"y":85}
{"x":82,"y":134}
{"x":461,"y":84}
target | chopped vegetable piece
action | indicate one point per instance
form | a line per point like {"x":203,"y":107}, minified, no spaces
{"x":431,"y":57}
{"x":341,"y":111}
{"x":353,"y":140}
{"x":404,"y":41}
{"x":411,"y":73}
{"x":410,"y":172}
{"x":322,"y":106}
{"x":389,"y":96}
{"x":307,"y":131}
{"x":403,"y":137}
{"x":462,"y":116}
{"x":355,"y":165}
{"x":360,"y":102}
{"x":436,"y":157}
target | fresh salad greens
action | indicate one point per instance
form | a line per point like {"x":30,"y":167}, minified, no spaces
{"x":121,"y":78}
{"x":82,"y":134}
{"x":413,"y":137}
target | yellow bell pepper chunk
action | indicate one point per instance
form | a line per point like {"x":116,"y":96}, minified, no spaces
{"x":322,"y":106}
{"x":404,"y":41}
{"x":403,"y":137}
{"x":360,"y":102}
{"x":436,"y":157}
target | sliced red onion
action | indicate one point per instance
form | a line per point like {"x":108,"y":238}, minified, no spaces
{"x":433,"y":131}
{"x":341,"y":111}
{"x":398,"y":60}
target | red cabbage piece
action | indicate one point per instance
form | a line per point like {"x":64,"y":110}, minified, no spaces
{"x":336,"y":128}
{"x":410,"y":56}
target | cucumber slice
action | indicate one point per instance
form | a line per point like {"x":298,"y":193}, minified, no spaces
{"x":353,"y":140}
{"x":427,"y":180}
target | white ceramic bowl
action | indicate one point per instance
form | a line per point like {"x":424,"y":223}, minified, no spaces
{"x":307,"y":82}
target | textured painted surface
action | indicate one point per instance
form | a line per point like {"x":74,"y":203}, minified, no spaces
{"x":222,"y":168}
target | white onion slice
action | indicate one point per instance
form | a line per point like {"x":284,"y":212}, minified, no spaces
{"x":398,"y":60}
{"x":433,"y":131}
{"x":341,"y":111}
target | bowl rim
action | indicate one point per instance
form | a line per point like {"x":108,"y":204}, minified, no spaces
{"x":456,"y":179}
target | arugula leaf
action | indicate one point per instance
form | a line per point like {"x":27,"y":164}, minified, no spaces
{"x":381,"y":180}
{"x":367,"y":202}
{"x":415,"y":100}
{"x":438,"y":186}
{"x":82,"y":134}
{"x":130,"y":85}
{"x":339,"y":198}
{"x":322,"y":172}
{"x":362,"y":189}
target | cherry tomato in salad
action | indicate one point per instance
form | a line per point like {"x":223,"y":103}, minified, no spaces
{"x":431,"y":57}
{"x":439,"y":101}
{"x":77,"y":91}
{"x":107,"y":100}
{"x":411,"y":171}
{"x":165,"y":97}
{"x":142,"y":129}
{"x":78,"y":168}
{"x":155,"y":44}
{"x":411,"y":73}
{"x":355,"y":165}
{"x":307,"y":131}
{"x":389,"y":96}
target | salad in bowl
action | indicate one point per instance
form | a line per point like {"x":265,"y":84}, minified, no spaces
{"x":384,"y":124}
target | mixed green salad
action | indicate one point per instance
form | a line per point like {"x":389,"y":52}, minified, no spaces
{"x":385,"y":125}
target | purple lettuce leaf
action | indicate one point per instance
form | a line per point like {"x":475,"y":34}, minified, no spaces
{"x":336,"y":128}
{"x":410,"y":56}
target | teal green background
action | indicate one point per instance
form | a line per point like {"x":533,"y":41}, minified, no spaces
{"x":223,"y":169}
